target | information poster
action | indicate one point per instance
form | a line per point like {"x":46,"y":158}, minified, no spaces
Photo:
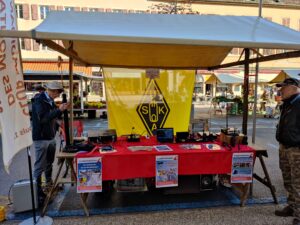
{"x":242,"y":168}
{"x":89,"y":174}
{"x":166,"y":171}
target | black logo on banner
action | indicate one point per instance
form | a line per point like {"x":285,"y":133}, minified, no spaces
{"x":153,"y":109}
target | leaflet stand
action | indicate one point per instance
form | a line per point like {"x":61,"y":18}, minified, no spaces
{"x":260,"y":153}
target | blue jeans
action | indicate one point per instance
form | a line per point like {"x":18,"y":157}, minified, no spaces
{"x":44,"y":158}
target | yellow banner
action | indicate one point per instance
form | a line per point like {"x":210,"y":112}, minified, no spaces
{"x":140,"y":101}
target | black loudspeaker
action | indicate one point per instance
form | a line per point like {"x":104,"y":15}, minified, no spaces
{"x":208,"y":182}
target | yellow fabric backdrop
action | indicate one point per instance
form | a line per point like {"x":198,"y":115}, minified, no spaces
{"x":138,"y":104}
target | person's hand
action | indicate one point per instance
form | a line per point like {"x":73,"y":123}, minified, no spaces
{"x":64,"y":106}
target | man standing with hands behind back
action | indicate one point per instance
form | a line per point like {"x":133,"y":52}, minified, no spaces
{"x":288,"y":136}
{"x":44,"y":126}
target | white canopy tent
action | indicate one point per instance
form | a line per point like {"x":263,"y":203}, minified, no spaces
{"x":158,"y":40}
{"x":161,"y":41}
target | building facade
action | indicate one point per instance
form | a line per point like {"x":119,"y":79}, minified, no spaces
{"x":286,"y":12}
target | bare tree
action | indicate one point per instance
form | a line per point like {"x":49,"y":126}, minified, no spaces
{"x":173,"y":8}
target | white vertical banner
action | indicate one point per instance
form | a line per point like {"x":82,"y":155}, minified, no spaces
{"x":14,"y":113}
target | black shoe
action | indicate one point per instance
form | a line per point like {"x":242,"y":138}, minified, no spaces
{"x":296,"y":221}
{"x":285,"y":212}
{"x":41,"y":200}
{"x":41,"y":197}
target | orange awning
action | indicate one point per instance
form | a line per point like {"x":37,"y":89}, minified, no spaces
{"x":52,"y":66}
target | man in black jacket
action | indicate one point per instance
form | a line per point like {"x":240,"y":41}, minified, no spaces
{"x":288,"y":136}
{"x":44,"y":126}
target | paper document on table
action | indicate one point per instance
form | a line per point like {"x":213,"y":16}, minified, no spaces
{"x":139,"y":148}
{"x":213,"y":147}
{"x":190,"y":147}
{"x":162,"y":148}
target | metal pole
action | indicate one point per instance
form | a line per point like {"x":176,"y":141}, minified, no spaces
{"x":246,"y":91}
{"x":31,"y":185}
{"x":256,"y":84}
{"x":71,"y":94}
{"x":260,"y":8}
{"x":81,"y":94}
{"x":255,"y":100}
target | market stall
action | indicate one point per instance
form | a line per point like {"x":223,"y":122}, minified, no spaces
{"x":153,"y":41}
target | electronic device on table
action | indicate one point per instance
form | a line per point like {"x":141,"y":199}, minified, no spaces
{"x":102,"y":136}
{"x":182,"y":137}
{"x":165,"y":135}
{"x":232,"y":136}
{"x":133,"y":137}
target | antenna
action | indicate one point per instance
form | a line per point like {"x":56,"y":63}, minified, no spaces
{"x":66,"y":120}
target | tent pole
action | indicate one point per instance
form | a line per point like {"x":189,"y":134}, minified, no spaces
{"x":256,"y":84}
{"x":255,"y":100}
{"x":31,"y":185}
{"x":71,"y":94}
{"x":81,"y":94}
{"x":246,"y":91}
{"x":260,"y":8}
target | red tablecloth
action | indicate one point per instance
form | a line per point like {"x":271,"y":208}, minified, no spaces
{"x":125,"y":164}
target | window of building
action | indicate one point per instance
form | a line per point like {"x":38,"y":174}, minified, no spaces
{"x":93,"y":9}
{"x":22,"y":43}
{"x":44,"y":10}
{"x":117,"y":10}
{"x":267,"y":51}
{"x":237,"y":88}
{"x":268,"y":18}
{"x":43,"y":47}
{"x":67,"y":8}
{"x":234,"y":51}
{"x":19,"y":11}
{"x":286,"y":22}
{"x":96,"y":88}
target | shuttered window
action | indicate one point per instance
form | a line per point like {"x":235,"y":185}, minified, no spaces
{"x":27,"y":44}
{"x":34,"y":12}
{"x":286,"y":22}
{"x":19,"y":11}
{"x":68,"y":8}
{"x":44,"y":11}
{"x":22,"y":43}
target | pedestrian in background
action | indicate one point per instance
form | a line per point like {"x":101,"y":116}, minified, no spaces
{"x":288,"y":136}
{"x":44,"y":126}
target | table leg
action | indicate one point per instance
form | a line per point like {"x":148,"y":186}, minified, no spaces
{"x":49,"y":195}
{"x":244,"y":194}
{"x":272,"y":188}
{"x":83,"y":197}
{"x":73,"y":173}
{"x":243,"y":190}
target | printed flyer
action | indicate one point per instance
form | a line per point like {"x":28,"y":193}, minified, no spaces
{"x":242,"y":168}
{"x":89,"y":174}
{"x":166,"y":171}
